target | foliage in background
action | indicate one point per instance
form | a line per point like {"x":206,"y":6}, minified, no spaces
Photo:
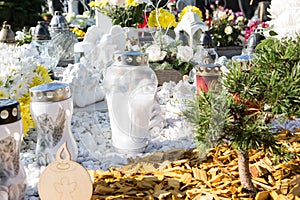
{"x":126,"y":13}
{"x":23,"y":37}
{"x":80,"y":23}
{"x":167,"y":53}
{"x":244,"y":110}
{"x":225,"y":25}
{"x":21,"y":13}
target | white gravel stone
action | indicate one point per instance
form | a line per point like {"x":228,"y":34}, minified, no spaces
{"x":95,"y":151}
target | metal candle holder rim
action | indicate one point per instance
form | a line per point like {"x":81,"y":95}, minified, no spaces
{"x":58,"y":22}
{"x":9,"y":111}
{"x":6,"y":34}
{"x":41,"y":32}
{"x":50,"y":92}
{"x":208,"y":70}
{"x":134,"y":58}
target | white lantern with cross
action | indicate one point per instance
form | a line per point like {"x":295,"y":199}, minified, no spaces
{"x":192,"y":25}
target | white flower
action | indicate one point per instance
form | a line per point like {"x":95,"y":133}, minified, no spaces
{"x":117,"y":2}
{"x":155,"y":53}
{"x":17,"y":70}
{"x":222,"y":15}
{"x":240,"y":18}
{"x":278,"y":6}
{"x":4,"y":94}
{"x":185,"y":53}
{"x":230,"y":18}
{"x":14,"y":92}
{"x":22,"y":86}
{"x":148,"y":2}
{"x":228,"y":30}
{"x":287,"y":24}
{"x":20,"y":35}
{"x":139,"y":1}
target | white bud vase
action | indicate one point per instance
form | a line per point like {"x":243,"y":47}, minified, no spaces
{"x":52,"y":108}
{"x":12,"y":174}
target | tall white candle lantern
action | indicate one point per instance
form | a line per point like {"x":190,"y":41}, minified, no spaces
{"x":130,"y":90}
{"x":52,"y":108}
{"x":12,"y":174}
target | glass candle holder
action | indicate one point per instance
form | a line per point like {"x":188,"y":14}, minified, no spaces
{"x":63,"y":38}
{"x":207,"y":76}
{"x":12,"y":174}
{"x":51,"y":107}
{"x":130,"y":91}
{"x":47,"y":50}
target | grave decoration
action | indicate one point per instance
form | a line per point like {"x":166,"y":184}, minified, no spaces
{"x":13,"y":177}
{"x":130,"y":93}
{"x":52,"y":108}
{"x":64,"y":179}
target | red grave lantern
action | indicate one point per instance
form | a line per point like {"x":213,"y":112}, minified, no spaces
{"x":206,"y":74}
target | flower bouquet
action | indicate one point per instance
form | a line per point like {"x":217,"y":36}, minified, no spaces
{"x":23,"y":37}
{"x":19,"y":72}
{"x":126,"y":13}
{"x":165,"y":52}
{"x":254,"y":26}
{"x":80,"y":23}
{"x":225,"y":25}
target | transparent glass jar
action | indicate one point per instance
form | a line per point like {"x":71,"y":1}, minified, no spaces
{"x":47,"y":50}
{"x":63,"y":38}
{"x":12,"y":174}
{"x":51,"y":107}
{"x":130,"y":92}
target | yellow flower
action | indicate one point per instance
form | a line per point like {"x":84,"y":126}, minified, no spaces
{"x":131,"y":3}
{"x":190,"y":8}
{"x":165,"y":19}
{"x":41,"y":77}
{"x":27,"y":120}
{"x":78,"y":32}
{"x":92,"y":4}
{"x":98,"y":4}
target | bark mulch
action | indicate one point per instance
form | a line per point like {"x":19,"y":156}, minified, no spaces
{"x":182,"y":174}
